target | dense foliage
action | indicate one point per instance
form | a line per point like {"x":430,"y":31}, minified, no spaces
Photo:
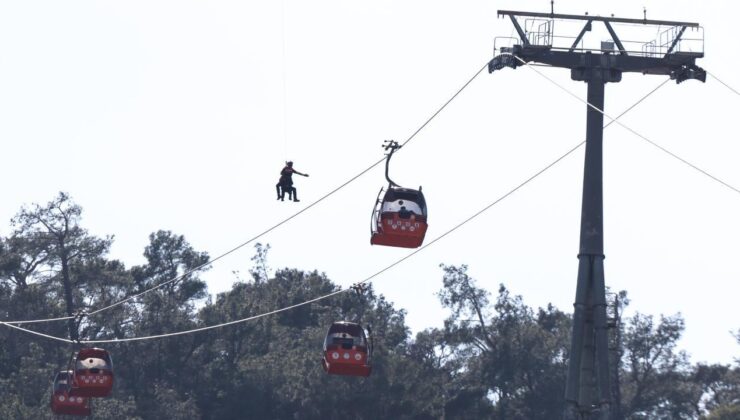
{"x":495,"y":357}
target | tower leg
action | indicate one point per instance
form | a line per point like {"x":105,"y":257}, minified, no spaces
{"x":588,"y":366}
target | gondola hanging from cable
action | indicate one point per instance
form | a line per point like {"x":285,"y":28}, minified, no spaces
{"x":347,"y":351}
{"x":92,"y":373}
{"x":62,"y":402}
{"x":400,"y":218}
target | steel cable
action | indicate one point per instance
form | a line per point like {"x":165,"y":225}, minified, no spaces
{"x":367,"y":279}
{"x":631,"y":130}
{"x":270,"y":229}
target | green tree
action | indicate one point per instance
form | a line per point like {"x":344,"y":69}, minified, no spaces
{"x":657,"y":375}
{"x":494,"y":357}
{"x":514,"y":358}
{"x":52,"y":238}
{"x":721,"y":386}
{"x":160,"y":369}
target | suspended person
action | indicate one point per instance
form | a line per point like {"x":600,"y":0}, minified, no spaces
{"x":285,"y":184}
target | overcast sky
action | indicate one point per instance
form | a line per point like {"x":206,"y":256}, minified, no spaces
{"x":179,"y":115}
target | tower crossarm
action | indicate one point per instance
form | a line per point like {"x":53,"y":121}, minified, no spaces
{"x":663,"y":56}
{"x":597,"y":18}
{"x":679,"y":66}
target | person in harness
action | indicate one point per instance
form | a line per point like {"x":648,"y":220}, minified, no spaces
{"x":285,"y":184}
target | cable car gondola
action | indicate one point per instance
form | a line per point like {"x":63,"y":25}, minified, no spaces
{"x":93,"y":373}
{"x":62,"y":402}
{"x":400,"y":218}
{"x":346,"y":350}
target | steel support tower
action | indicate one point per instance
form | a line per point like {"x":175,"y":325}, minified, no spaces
{"x":587,"y":390}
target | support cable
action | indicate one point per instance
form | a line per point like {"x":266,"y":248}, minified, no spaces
{"x":367,"y":279}
{"x":37,"y":321}
{"x":725,"y":84}
{"x":265,"y":232}
{"x":52,"y":337}
{"x":631,"y":130}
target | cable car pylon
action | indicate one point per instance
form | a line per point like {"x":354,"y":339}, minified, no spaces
{"x":588,"y":394}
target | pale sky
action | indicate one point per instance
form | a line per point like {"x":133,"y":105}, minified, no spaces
{"x":179,"y":115}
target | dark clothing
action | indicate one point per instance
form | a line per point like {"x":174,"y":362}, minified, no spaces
{"x":282,"y":189}
{"x":285,"y":184}
{"x":286,"y":176}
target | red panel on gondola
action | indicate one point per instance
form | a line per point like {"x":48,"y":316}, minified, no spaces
{"x":346,"y":350}
{"x":393,"y":230}
{"x":346,"y":362}
{"x":62,"y":403}
{"x":93,"y":373}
